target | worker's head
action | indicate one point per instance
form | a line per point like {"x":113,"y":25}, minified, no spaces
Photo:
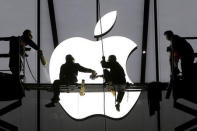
{"x":27,"y":34}
{"x":169,"y":34}
{"x":69,"y":58}
{"x":112,"y":58}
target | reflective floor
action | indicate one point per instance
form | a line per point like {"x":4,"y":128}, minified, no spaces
{"x":25,"y":116}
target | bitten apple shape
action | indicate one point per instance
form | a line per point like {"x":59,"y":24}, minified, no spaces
{"x":88,"y":53}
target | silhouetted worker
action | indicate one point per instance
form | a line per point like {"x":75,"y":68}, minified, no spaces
{"x":116,"y":76}
{"x":17,"y":50}
{"x":182,"y":51}
{"x":68,"y":76}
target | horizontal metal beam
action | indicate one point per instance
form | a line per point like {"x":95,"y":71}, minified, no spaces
{"x":190,"y":38}
{"x":4,"y":55}
{"x":90,"y":87}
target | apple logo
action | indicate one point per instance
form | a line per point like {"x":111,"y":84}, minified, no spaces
{"x":89,"y":54}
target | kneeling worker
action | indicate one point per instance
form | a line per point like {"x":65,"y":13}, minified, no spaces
{"x":68,"y":76}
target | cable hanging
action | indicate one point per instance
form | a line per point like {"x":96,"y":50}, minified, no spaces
{"x":30,"y":70}
{"x":99,"y":15}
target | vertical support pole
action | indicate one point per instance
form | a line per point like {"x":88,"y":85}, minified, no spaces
{"x":38,"y":65}
{"x":53,"y":22}
{"x":144,"y":40}
{"x":157,"y":61}
{"x":156,"y":41}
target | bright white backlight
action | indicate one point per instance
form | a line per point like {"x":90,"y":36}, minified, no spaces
{"x":107,"y":22}
{"x":92,"y":103}
{"x":89,"y":54}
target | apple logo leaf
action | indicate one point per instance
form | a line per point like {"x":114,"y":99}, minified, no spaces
{"x":105,"y":24}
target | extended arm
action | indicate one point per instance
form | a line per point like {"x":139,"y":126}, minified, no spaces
{"x":32,"y":44}
{"x":83,"y":69}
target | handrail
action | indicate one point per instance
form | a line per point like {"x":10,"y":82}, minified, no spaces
{"x":4,"y":55}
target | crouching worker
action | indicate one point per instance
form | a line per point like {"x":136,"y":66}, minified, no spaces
{"x":68,"y":76}
{"x":114,"y":77}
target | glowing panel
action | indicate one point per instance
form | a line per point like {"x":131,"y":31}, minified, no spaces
{"x":107,"y":22}
{"x":92,"y":103}
{"x":89,"y":54}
